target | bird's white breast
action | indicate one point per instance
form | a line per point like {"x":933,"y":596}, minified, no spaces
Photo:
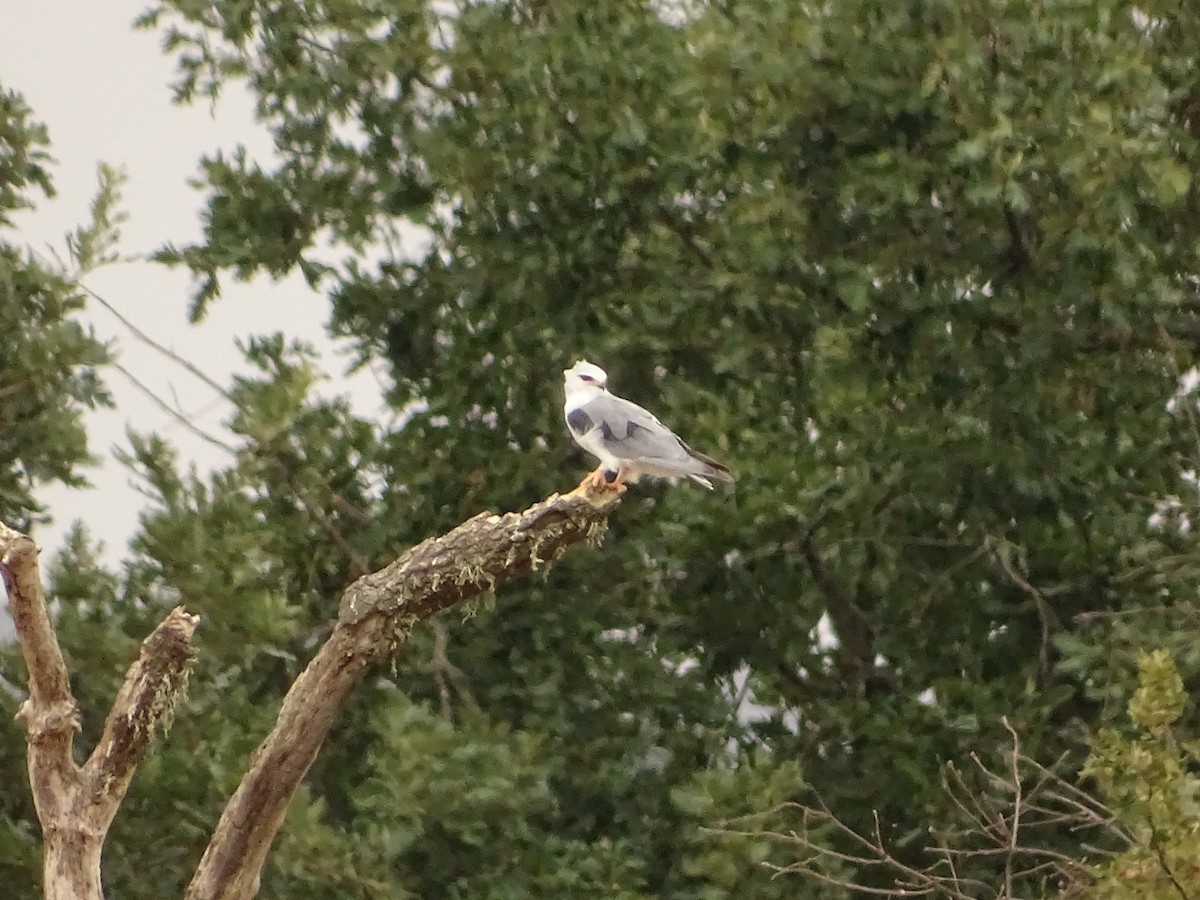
{"x":581,"y":396}
{"x":591,"y":440}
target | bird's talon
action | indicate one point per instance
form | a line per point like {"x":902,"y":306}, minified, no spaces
{"x":596,"y":481}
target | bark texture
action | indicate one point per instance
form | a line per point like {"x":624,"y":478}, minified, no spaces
{"x":377,"y":612}
{"x":76,"y":804}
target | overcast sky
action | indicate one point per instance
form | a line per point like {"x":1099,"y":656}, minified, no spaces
{"x":102,"y":90}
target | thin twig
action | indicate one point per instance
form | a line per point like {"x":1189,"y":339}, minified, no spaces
{"x":1043,"y":608}
{"x":1014,"y":830}
{"x":172,"y":412}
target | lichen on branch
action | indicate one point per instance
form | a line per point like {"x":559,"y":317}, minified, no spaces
{"x":470,"y":559}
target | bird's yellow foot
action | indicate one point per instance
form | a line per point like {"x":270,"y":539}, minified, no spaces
{"x":596,"y":481}
{"x":618,"y":484}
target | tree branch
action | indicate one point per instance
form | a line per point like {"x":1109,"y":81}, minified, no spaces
{"x":377,"y":613}
{"x":76,"y":806}
{"x":855,"y":654}
{"x":50,"y":714}
{"x":1015,"y":815}
{"x":145,"y":703}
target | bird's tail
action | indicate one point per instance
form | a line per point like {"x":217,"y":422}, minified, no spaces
{"x":711,"y":469}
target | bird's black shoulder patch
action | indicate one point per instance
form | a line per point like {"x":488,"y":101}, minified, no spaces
{"x":632,"y":428}
{"x":606,"y":430}
{"x":579,"y":421}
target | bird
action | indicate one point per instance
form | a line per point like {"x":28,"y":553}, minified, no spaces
{"x":627,"y":439}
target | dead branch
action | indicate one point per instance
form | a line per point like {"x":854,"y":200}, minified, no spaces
{"x":1000,"y":551}
{"x":76,"y":805}
{"x":1005,"y":823}
{"x":377,"y":613}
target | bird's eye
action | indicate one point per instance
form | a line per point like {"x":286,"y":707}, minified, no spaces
{"x":588,"y":378}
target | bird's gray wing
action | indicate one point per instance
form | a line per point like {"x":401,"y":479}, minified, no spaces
{"x":627,"y":430}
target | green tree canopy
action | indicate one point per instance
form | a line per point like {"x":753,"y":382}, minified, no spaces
{"x":50,"y":361}
{"x":924,"y":274}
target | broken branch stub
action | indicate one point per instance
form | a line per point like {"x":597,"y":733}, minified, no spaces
{"x":76,"y":805}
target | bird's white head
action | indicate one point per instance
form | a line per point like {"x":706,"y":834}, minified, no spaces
{"x":584,"y":378}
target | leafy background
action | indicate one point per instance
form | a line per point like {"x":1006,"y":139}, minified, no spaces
{"x":923,"y":274}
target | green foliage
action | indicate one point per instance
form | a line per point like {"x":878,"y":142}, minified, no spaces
{"x":94,"y":244}
{"x":752,"y":798}
{"x":925,"y":274}
{"x":24,"y":156}
{"x":49,"y":368}
{"x":922,"y":273}
{"x":469,"y":811}
{"x":1148,"y":778}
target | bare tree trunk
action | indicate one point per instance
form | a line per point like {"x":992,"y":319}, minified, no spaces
{"x":71,"y":864}
{"x":76,"y":804}
{"x":378,"y":611}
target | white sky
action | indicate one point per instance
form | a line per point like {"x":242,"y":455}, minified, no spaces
{"x":102,"y":90}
